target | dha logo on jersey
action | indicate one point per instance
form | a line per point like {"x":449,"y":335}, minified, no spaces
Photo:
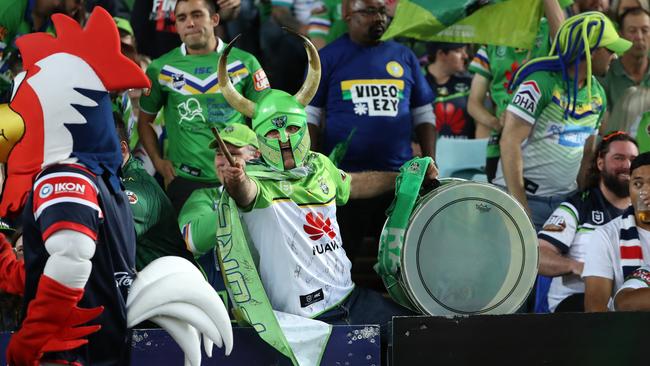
{"x":317,"y":226}
{"x":527,"y":96}
{"x":373,"y":97}
{"x":570,"y":136}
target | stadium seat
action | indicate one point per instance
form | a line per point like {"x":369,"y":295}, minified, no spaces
{"x":461,"y":158}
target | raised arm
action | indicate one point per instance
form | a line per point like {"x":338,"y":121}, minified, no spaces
{"x":515,"y":131}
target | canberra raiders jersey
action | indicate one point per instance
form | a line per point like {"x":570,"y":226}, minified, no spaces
{"x":553,"y":151}
{"x":569,"y":229}
{"x":293,"y":226}
{"x":187,"y":87}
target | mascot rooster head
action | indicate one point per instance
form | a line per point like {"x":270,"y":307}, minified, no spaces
{"x":60,"y":109}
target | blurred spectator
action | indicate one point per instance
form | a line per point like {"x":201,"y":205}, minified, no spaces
{"x":493,"y":68}
{"x":567,"y":232}
{"x":154,"y":24}
{"x":157,"y":234}
{"x":326,"y":22}
{"x":184,"y":82}
{"x":632,"y":69}
{"x":620,"y":247}
{"x":554,"y":115}
{"x":18,"y":17}
{"x":621,"y":6}
{"x":283,"y":56}
{"x":385,"y":100}
{"x":450,"y":83}
{"x":634,"y":294}
{"x":628,"y":115}
{"x":581,"y":6}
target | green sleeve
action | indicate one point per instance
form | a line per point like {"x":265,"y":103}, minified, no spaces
{"x":532,"y":95}
{"x":153,"y":102}
{"x":263,"y":198}
{"x":198,"y":220}
{"x":342,"y":181}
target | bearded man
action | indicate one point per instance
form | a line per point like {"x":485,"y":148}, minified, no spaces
{"x":566,"y":234}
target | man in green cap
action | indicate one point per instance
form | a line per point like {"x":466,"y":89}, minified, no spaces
{"x":198,"y":218}
{"x":288,"y":206}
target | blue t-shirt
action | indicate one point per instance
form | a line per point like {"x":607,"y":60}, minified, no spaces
{"x":372,"y":89}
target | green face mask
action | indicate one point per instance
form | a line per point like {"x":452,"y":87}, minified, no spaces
{"x":276,"y":112}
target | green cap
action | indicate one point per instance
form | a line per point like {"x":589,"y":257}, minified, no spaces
{"x":123,"y":24}
{"x":612,"y":41}
{"x":236,"y":134}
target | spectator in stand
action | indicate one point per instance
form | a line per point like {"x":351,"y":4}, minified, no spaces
{"x":567,"y":233}
{"x":582,"y":6}
{"x":386,"y":100}
{"x":620,"y":247}
{"x":184,"y":83}
{"x":450,"y":83}
{"x":493,"y":68}
{"x":154,"y":23}
{"x":633,"y":68}
{"x":621,"y":6}
{"x":634,"y":295}
{"x":326,"y":22}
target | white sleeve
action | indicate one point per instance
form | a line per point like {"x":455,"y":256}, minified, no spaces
{"x":599,"y":254}
{"x":423,"y":114}
{"x":638,"y":279}
{"x":560,"y":229}
{"x":69,"y":262}
{"x":314,"y":115}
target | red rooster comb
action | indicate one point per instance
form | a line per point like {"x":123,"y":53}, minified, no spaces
{"x":98,"y":44}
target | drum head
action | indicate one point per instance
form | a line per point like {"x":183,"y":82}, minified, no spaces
{"x":469,"y":248}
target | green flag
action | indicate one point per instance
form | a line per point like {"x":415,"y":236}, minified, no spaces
{"x":338,"y":152}
{"x":512,"y":23}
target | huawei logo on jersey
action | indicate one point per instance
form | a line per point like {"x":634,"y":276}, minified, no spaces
{"x":317,"y":226}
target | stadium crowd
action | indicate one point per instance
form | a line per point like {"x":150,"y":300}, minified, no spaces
{"x":567,"y":125}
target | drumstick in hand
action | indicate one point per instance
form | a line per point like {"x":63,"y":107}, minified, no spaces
{"x":222,"y":146}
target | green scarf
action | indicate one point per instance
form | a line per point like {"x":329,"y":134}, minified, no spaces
{"x":251,"y":304}
{"x":407,"y":190}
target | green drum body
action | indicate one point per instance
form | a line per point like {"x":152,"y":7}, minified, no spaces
{"x":469,"y":248}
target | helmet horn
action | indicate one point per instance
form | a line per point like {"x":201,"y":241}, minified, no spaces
{"x":310,"y":86}
{"x":236,"y":100}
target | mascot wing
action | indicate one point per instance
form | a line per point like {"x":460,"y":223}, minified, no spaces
{"x":172,"y":293}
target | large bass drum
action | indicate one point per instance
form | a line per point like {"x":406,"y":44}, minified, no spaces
{"x":469,"y":248}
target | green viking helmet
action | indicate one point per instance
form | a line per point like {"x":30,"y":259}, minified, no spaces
{"x":276,"y":110}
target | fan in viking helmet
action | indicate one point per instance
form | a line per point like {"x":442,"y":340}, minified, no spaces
{"x":62,"y":155}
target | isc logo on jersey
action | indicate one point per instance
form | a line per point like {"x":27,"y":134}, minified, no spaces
{"x":527,"y":96}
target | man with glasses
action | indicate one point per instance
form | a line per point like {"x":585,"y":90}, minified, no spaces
{"x":184,"y":82}
{"x":378,"y":89}
{"x":566,"y":234}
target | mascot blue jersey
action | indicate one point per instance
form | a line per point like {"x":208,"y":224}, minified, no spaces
{"x":372,"y":89}
{"x":69,"y":197}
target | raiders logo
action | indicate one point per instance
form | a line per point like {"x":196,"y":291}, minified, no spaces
{"x":279,"y":122}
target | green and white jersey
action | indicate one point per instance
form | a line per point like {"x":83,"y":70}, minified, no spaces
{"x":187,"y":87}
{"x":326,"y":21}
{"x":553,"y":151}
{"x":499,"y":63}
{"x":293,"y":226}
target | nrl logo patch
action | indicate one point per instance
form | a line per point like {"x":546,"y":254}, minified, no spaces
{"x":279,"y":122}
{"x":598,"y":217}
